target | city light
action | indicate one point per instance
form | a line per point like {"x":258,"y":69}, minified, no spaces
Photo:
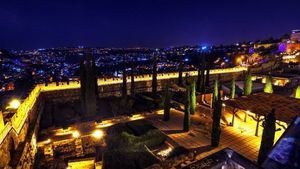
{"x":76,"y":134}
{"x":98,"y":134}
{"x":14,"y":104}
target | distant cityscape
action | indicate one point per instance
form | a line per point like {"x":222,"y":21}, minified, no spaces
{"x":231,"y":106}
{"x":62,"y":64}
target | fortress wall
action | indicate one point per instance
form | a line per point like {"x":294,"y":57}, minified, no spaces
{"x":15,"y":132}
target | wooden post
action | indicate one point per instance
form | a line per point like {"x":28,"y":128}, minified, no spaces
{"x":233,"y":115}
{"x":257,"y":124}
{"x":245,"y":118}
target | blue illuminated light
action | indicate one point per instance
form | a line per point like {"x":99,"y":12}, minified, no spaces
{"x":186,"y":59}
{"x":204,"y":47}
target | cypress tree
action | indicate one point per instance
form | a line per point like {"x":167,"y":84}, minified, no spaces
{"x":88,"y":84}
{"x":267,"y":139}
{"x":154,"y":75}
{"x":297,"y":93}
{"x":167,"y":102}
{"x":207,"y":76}
{"x":198,"y":83}
{"x":180,"y":71}
{"x":186,"y":120}
{"x":217,"y":111}
{"x":202,"y":80}
{"x":232,"y":89}
{"x":132,"y":85}
{"x":201,"y":75}
{"x":94,"y":73}
{"x":124,"y":86}
{"x":216,"y":90}
{"x":248,"y":84}
{"x":193,"y":100}
{"x":268,"y":87}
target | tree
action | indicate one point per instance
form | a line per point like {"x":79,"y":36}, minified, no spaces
{"x":193,"y":98}
{"x":198,"y":82}
{"x":167,"y":102}
{"x":124,"y":86}
{"x":217,"y":111}
{"x":232,"y":92}
{"x":180,"y":71}
{"x":267,"y":139}
{"x":248,"y":84}
{"x":154,"y":75}
{"x":202,"y":86}
{"x":268,"y":87}
{"x":207,"y":75}
{"x":186,"y":120}
{"x":200,"y":78}
{"x":132,"y":85}
{"x":216,"y":90}
{"x":297,"y":93}
{"x":88,"y":86}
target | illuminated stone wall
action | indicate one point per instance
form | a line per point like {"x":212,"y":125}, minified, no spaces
{"x":15,"y":131}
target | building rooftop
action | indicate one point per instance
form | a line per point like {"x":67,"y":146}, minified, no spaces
{"x":286,"y":108}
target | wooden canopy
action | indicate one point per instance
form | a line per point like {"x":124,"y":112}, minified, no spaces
{"x":286,"y":108}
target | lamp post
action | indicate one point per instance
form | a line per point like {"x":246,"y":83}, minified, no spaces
{"x":14,"y":104}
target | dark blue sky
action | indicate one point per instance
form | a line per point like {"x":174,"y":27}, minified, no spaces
{"x":27,"y":24}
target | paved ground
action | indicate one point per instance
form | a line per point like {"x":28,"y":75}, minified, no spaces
{"x":240,"y":137}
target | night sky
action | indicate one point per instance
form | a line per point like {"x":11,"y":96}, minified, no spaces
{"x":29,"y":24}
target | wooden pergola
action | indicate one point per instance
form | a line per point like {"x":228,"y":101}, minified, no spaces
{"x":286,"y":108}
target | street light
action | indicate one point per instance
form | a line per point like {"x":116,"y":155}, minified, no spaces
{"x":14,"y":104}
{"x":98,"y":134}
{"x":75,"y":134}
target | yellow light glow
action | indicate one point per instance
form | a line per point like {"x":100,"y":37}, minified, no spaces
{"x":98,"y":134}
{"x":63,"y":132}
{"x":14,"y":104}
{"x":75,"y":134}
{"x":160,"y":112}
{"x":48,"y":141}
{"x":137,"y":117}
{"x":105,"y":123}
{"x":165,"y":152}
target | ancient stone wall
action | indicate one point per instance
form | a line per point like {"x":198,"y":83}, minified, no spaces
{"x":23,"y":121}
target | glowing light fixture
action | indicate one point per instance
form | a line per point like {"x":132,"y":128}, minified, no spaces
{"x":48,"y":141}
{"x":98,"y":134}
{"x":76,"y":134}
{"x":165,"y":152}
{"x":14,"y":104}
